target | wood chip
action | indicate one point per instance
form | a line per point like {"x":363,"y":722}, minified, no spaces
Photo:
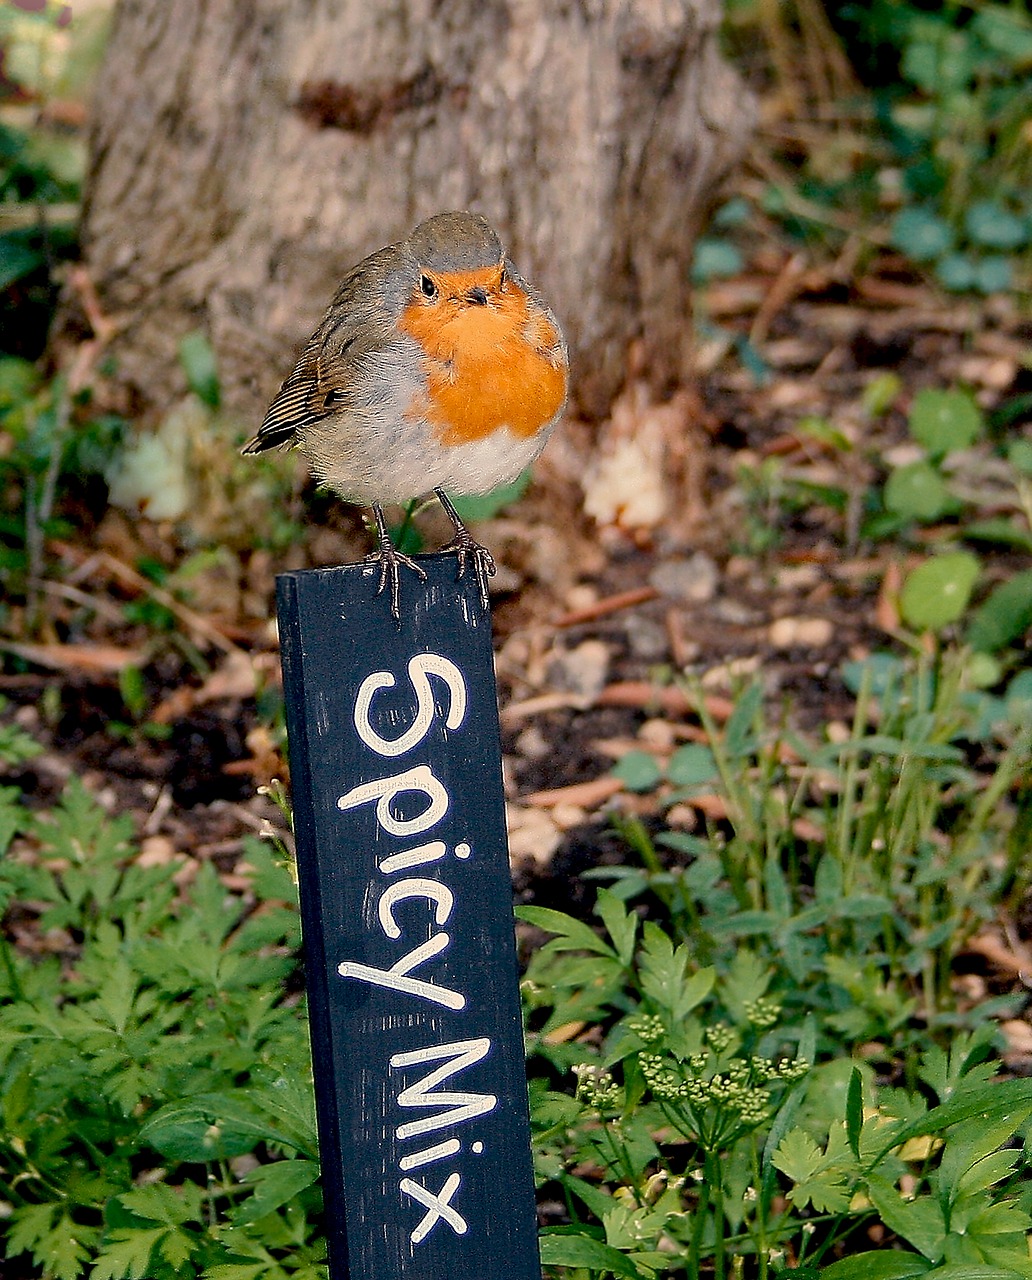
{"x":611,"y":604}
{"x":586,"y":795}
{"x":106,"y":659}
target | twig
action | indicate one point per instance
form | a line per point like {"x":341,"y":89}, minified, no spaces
{"x":611,"y":604}
{"x":586,"y":795}
{"x":130,"y":577}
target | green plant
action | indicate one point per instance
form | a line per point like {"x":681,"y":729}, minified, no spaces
{"x":937,"y":487}
{"x":856,"y":867}
{"x":688,"y":1109}
{"x":47,"y":56}
{"x":56,"y":448}
{"x":936,"y":132}
{"x":155,"y":1095}
{"x":959,"y":130}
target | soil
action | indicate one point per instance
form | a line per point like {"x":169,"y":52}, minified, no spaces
{"x":757,"y":570}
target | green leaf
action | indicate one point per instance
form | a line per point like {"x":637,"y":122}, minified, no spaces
{"x":944,"y":420}
{"x":52,"y":1237}
{"x":816,"y":1181}
{"x":585,"y":1251}
{"x":937,"y":592}
{"x":621,"y":925}
{"x":921,"y":234}
{"x":999,"y":1219}
{"x":1001,"y":531}
{"x":161,"y":1203}
{"x":198,"y":361}
{"x":880,"y":393}
{"x":988,"y":1102}
{"x":127,"y":1253}
{"x":274,"y":1185}
{"x":957,"y":272}
{"x":740,"y":731}
{"x":690,"y":765}
{"x":206,"y":1127}
{"x":485,"y":506}
{"x":571,"y":934}
{"x":855,"y":1111}
{"x":919,"y":1222}
{"x":1019,"y":455}
{"x":994,"y":274}
{"x":917,"y":491}
{"x":884,"y":1264}
{"x":1004,"y":616}
{"x":638,"y":771}
{"x":1008,"y":32}
{"x":664,"y":977}
{"x":714,"y":259}
{"x":19,"y":255}
{"x":991,"y":225}
{"x":987,"y":1172}
{"x":880,"y":671}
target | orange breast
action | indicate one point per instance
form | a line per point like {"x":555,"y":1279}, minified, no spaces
{"x":487,"y":366}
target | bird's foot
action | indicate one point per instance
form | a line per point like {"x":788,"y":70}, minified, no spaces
{"x":390,"y":560}
{"x":467,"y":548}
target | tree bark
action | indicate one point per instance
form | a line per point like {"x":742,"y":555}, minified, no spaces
{"x":245,"y":153}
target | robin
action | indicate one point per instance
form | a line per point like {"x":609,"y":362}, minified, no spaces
{"x":436,"y":367}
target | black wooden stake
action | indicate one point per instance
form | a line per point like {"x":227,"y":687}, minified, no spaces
{"x":406,"y":905}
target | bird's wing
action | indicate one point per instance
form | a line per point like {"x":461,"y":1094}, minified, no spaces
{"x":305,"y":397}
{"x":359,"y":322}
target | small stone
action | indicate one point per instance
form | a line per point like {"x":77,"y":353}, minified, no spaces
{"x":800,"y":633}
{"x":582,"y":670}
{"x":901,"y":455}
{"x":1019,"y":1035}
{"x":581,"y":596}
{"x":566,"y":816}
{"x":682,"y":816}
{"x":532,"y":834}
{"x":734,"y":613}
{"x":693,"y":581}
{"x":798,"y":577}
{"x":532,"y":743}
{"x":646,"y":639}
{"x":155,"y":851}
{"x":659,"y":734}
{"x":729,"y":673}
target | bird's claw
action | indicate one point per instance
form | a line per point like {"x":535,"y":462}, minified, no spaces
{"x":390,"y":560}
{"x":467,"y":548}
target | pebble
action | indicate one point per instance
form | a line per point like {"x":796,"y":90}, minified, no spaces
{"x":582,"y":670}
{"x":728,"y":673}
{"x":645,"y":638}
{"x":532,"y":743}
{"x":800,"y":633}
{"x":693,"y":581}
{"x":734,"y":613}
{"x":532,"y":834}
{"x":798,"y":577}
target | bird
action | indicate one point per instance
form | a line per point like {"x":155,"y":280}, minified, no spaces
{"x":437,"y":367}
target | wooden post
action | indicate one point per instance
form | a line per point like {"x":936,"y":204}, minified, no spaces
{"x":406,"y":904}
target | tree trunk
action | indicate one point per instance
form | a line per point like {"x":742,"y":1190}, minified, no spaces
{"x":245,"y":153}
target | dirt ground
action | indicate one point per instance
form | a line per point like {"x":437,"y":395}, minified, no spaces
{"x":751,"y":568}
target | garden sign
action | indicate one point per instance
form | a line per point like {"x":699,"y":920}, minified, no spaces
{"x":406,"y":905}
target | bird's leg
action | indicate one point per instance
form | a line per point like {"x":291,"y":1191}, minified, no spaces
{"x":465,"y":545}
{"x":390,"y":560}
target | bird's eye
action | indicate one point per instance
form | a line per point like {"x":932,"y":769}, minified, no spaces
{"x":503,"y":279}
{"x":428,"y":287}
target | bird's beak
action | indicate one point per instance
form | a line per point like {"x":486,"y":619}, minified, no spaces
{"x":477,"y":296}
